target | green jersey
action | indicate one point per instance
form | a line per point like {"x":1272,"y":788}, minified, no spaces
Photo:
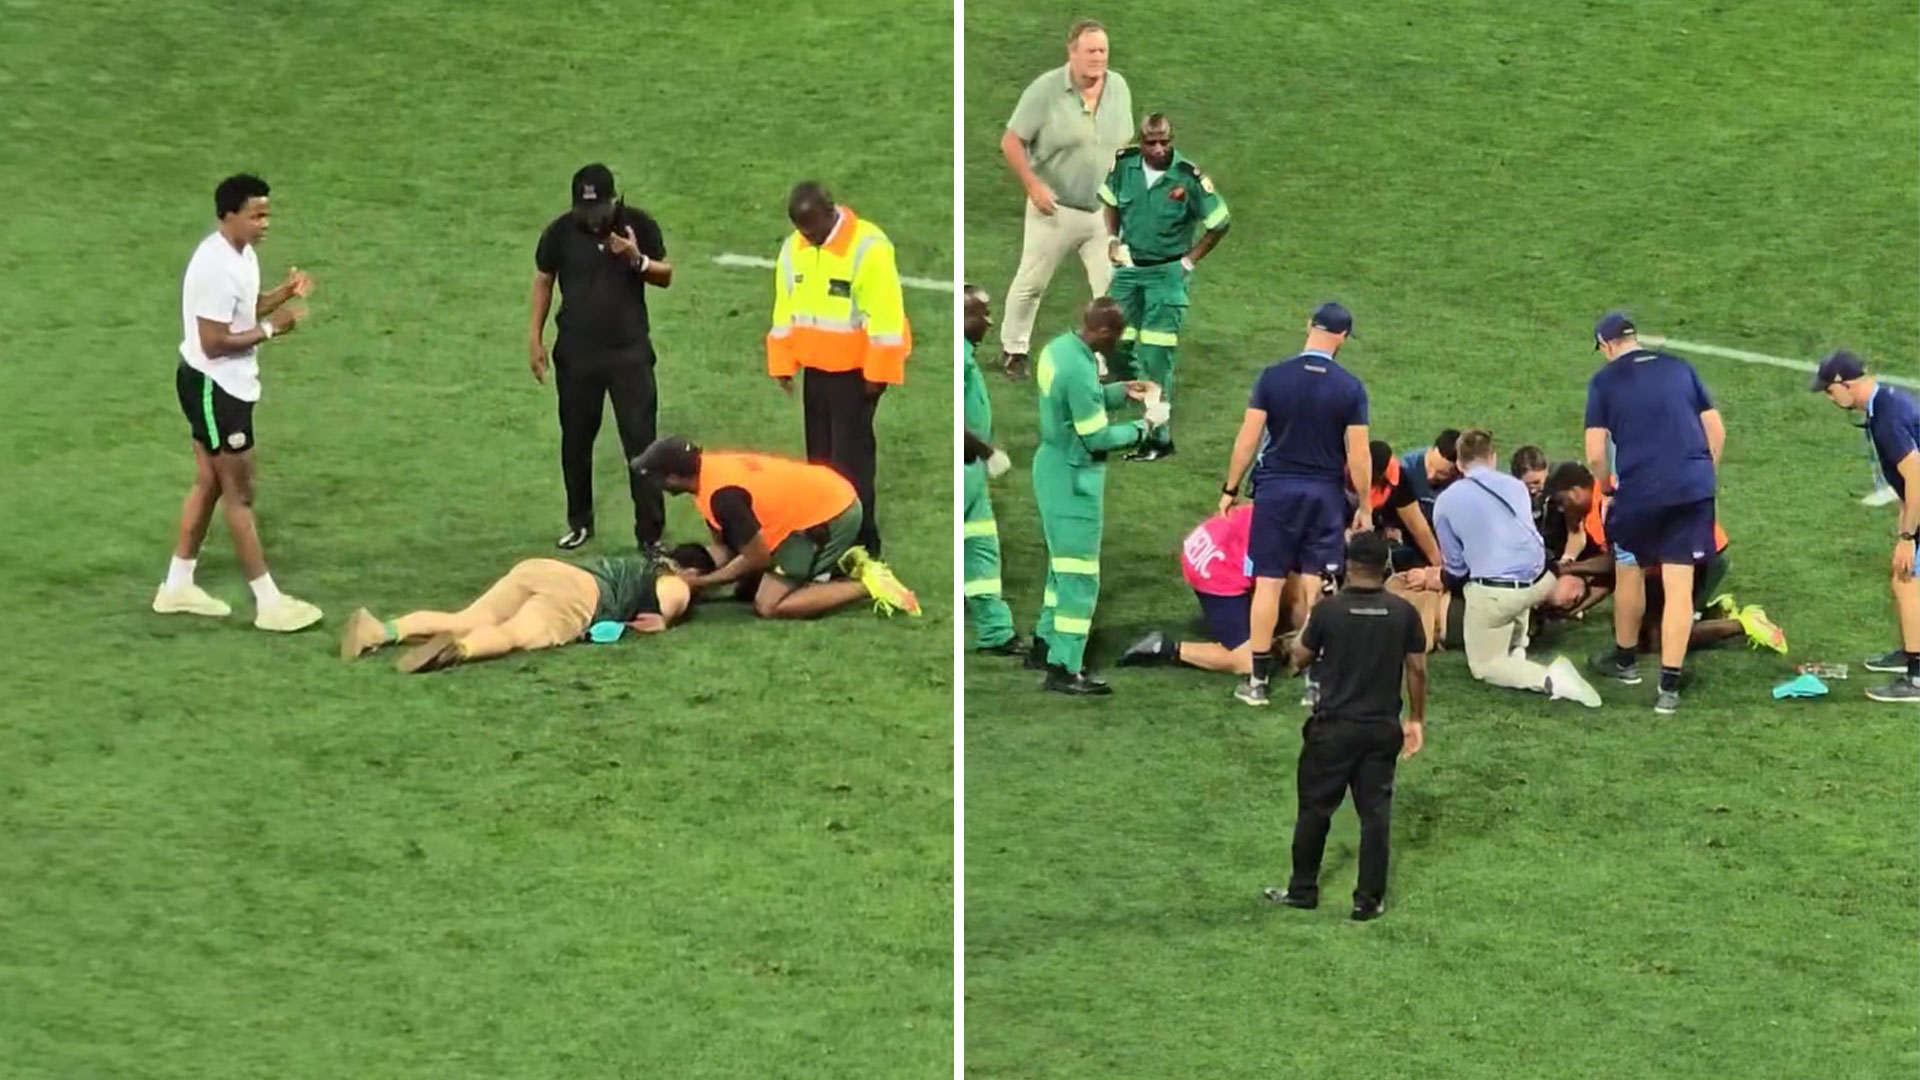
{"x":626,"y":587}
{"x":1073,"y":404}
{"x":977,"y":412}
{"x":1157,"y":214}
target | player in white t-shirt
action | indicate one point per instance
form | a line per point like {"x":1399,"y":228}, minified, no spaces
{"x":218,"y":381}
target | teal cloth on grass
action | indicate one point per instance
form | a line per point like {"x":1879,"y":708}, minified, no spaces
{"x":1803,"y":687}
{"x":606,"y":633}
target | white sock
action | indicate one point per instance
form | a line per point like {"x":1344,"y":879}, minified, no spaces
{"x":265,"y":592}
{"x":180,"y":573}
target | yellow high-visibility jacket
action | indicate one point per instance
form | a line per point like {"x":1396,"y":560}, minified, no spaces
{"x":838,"y":307}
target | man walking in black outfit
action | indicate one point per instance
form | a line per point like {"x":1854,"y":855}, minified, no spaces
{"x":604,"y":254}
{"x":1361,"y":639}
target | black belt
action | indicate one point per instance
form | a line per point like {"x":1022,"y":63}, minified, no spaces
{"x":1138,"y":265}
{"x":1499,"y":583}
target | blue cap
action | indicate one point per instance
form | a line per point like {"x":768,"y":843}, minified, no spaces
{"x":1612,"y":326}
{"x":1333,"y":318}
{"x":1839,"y":366}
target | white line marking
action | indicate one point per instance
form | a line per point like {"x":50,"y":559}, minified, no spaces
{"x":730,"y":259}
{"x":1658,"y":341}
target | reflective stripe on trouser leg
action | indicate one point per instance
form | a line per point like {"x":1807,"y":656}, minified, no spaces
{"x":980,"y":562}
{"x":1125,"y":290}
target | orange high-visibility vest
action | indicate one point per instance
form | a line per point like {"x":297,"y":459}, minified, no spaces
{"x":788,"y":496}
{"x":838,"y":307}
{"x":1377,"y":498}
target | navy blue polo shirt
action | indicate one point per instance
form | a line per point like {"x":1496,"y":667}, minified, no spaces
{"x":1310,"y":401}
{"x":1413,"y":474}
{"x":1893,"y":421}
{"x":1650,"y":403}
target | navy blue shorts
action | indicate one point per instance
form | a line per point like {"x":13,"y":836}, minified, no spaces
{"x":1298,"y":529}
{"x":1657,"y":535}
{"x":1229,"y":618}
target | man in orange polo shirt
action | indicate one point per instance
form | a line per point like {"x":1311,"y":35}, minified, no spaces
{"x":792,"y":522}
{"x":839,"y":314}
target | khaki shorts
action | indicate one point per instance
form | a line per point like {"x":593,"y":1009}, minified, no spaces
{"x":549,"y":602}
{"x":815,"y":553}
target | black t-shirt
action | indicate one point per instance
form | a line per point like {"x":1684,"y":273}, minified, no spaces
{"x":1400,"y":495}
{"x":1362,"y":638}
{"x":738,"y":524}
{"x":603,"y":301}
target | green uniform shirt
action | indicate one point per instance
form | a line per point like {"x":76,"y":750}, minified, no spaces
{"x":626,"y":587}
{"x":977,"y":411}
{"x":1156,"y":221}
{"x":1073,"y":404}
{"x":1070,"y":146}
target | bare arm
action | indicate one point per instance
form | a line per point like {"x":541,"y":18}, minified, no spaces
{"x":1716,"y":434}
{"x":217,"y":339}
{"x":1298,"y":657}
{"x":1244,"y":444}
{"x":1359,"y":468}
{"x":1909,"y":469}
{"x":1597,"y":457}
{"x":753,"y":559}
{"x":1208,"y":240}
{"x":542,"y":305}
{"x":659,"y":273}
{"x":270,"y":302}
{"x":1421,"y":532}
{"x":1014,"y":149}
{"x":1112,"y":216}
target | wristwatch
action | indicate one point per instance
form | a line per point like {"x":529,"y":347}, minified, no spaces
{"x":1225,"y":490}
{"x":1914,"y":536}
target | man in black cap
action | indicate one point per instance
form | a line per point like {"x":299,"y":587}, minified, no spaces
{"x":1314,"y":413}
{"x":604,"y":254}
{"x":1362,"y":639}
{"x":1652,"y":410}
{"x":1893,"y":423}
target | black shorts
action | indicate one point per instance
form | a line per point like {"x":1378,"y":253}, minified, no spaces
{"x":219,"y":421}
{"x":1653,"y":535}
{"x":1229,"y":618}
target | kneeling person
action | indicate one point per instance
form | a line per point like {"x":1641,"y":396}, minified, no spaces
{"x":793,"y":522}
{"x":539,"y":604}
{"x":1214,"y":561}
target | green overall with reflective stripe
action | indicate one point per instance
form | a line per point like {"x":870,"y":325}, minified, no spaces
{"x":1157,"y":224}
{"x":980,"y":561}
{"x":1069,"y":486}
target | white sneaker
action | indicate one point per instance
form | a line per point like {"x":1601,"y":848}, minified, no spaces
{"x":189,"y":600}
{"x":1565,"y":682}
{"x":286,"y":615}
{"x":1880,"y":497}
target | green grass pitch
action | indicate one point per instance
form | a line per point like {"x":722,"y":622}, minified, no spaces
{"x":723,"y":853}
{"x":1729,"y":892}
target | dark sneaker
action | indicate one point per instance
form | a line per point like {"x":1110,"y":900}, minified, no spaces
{"x":1148,"y":650}
{"x":1900,"y":689}
{"x":1014,"y":364}
{"x":1152,"y":453}
{"x":1609,"y":665}
{"x":1368,"y":910}
{"x":1894,"y":663}
{"x":1013,"y":646}
{"x":653,"y":550}
{"x":1079,"y":684}
{"x":1037,"y":655}
{"x":574,"y":538}
{"x":1252,"y":693}
{"x":1292,"y":898}
{"x":1667,"y":703}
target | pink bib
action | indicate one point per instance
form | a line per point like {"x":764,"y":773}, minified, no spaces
{"x":1214,"y":556}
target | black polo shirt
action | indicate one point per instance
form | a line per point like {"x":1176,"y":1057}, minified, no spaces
{"x":1362,"y":638}
{"x":603,"y":301}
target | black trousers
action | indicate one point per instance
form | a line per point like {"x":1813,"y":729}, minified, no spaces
{"x":1337,"y":756}
{"x":585,"y":380}
{"x":839,"y":418}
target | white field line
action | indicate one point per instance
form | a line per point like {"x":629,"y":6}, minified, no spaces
{"x":1658,"y":341}
{"x":730,"y":259}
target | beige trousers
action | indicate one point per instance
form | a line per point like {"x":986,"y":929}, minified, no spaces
{"x":1047,"y":240}
{"x":1495,"y":626}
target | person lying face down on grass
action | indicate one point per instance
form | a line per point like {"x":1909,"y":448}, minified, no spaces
{"x":538,"y":604}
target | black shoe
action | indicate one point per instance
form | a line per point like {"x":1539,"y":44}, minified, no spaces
{"x":1609,"y":665}
{"x":1894,"y":663}
{"x":1078,"y":684}
{"x":1148,"y":650}
{"x":653,"y":550}
{"x":1368,"y":910}
{"x":1302,"y":899}
{"x":1014,"y":364}
{"x":1013,"y":646}
{"x":1036,"y":655}
{"x":574,"y":538}
{"x":1152,"y":453}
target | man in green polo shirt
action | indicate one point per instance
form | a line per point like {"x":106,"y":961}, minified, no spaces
{"x":1154,"y":198}
{"x":992,"y":622}
{"x":1060,"y":143}
{"x":1069,"y":486}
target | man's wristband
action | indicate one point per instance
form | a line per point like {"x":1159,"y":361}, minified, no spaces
{"x":1912,"y":536}
{"x":1229,"y":489}
{"x":267,"y":329}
